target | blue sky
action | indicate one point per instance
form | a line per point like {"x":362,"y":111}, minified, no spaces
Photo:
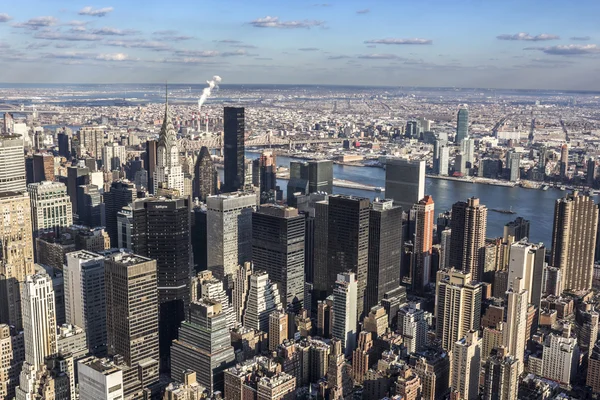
{"x":464,"y":43}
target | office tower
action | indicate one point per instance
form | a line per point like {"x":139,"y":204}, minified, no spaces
{"x":76,"y":176}
{"x":132,"y":318}
{"x":99,"y":379}
{"x":593,"y":372}
{"x":267,"y":176}
{"x":513,"y":160}
{"x":501,"y":376}
{"x":12,"y":166}
{"x":466,"y":356}
{"x":527,"y":262}
{"x":320,"y":273}
{"x":206,"y":178}
{"x":229,"y":222}
{"x":376,"y":321}
{"x":12,"y":355}
{"x":92,"y":140}
{"x":278,"y":248}
{"x":462,"y":124}
{"x":586,"y":327}
{"x":574,"y":240}
{"x":261,"y":300}
{"x":204,"y":345}
{"x":150,"y":162}
{"x":205,"y":286}
{"x":339,"y":382}
{"x":384,"y":254}
{"x":467,"y":243}
{"x":16,"y":254}
{"x":360,"y":357}
{"x":64,"y":145}
{"x":433,"y":368}
{"x":348,"y":243}
{"x":114,"y":157}
{"x":410,"y":131}
{"x":161,"y":232}
{"x":325,"y":317}
{"x":85,"y":299}
{"x":90,"y":208}
{"x":560,"y":358}
{"x":564,"y":161}
{"x":234,"y":138}
{"x":120,"y":194}
{"x":445,"y":244}
{"x":278,"y":328}
{"x":43,"y":167}
{"x":492,"y":338}
{"x":441,"y":157}
{"x":50,"y":207}
{"x":467,"y":147}
{"x":167,"y":174}
{"x":591,"y":172}
{"x":405,"y":182}
{"x":458,"y":306}
{"x":515,"y":333}
{"x":413,"y":326}
{"x":421,"y":269}
{"x":517,"y":229}
{"x":315,"y":176}
{"x":344,"y":311}
{"x":239,"y":295}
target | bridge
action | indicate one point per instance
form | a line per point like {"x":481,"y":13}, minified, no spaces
{"x":186,"y":144}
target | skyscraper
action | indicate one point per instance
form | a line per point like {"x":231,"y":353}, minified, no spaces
{"x":574,"y":239}
{"x":518,"y":229}
{"x":262,"y":299}
{"x":513,"y":160}
{"x":205,"y":176}
{"x":85,"y":298}
{"x":467,"y":249}
{"x":462,"y":124}
{"x":99,"y":379}
{"x":344,"y":311}
{"x":205,"y":286}
{"x":348,"y":242}
{"x":501,"y":376}
{"x":564,"y":161}
{"x":150,"y":163}
{"x":458,"y":306}
{"x":421,"y":268}
{"x":278,"y":328}
{"x":466,"y":356}
{"x":120,"y":194}
{"x":560,"y":358}
{"x":440,"y":157}
{"x":315,"y":176}
{"x":43,"y":167}
{"x":278,"y":248}
{"x":267,"y":176}
{"x":204,"y":345}
{"x":50,"y":206}
{"x":527,"y":262}
{"x":91,"y":138}
{"x":114,"y":157}
{"x":515,"y":332}
{"x":413,"y":326}
{"x":12,"y":164}
{"x":234,"y":138}
{"x":384,"y":255}
{"x":64,"y":145}
{"x":132,"y":318}
{"x":76,"y":176}
{"x":90,"y":208}
{"x":16,"y":254}
{"x":405,"y":181}
{"x":168,"y":174}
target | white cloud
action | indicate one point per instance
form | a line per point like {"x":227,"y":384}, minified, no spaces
{"x":527,"y":37}
{"x":95,"y":12}
{"x":274,"y":22}
{"x":399,"y":41}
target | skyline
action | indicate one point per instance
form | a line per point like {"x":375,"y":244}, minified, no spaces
{"x":464,"y":44}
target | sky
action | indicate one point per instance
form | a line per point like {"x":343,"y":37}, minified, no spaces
{"x":521,"y":44}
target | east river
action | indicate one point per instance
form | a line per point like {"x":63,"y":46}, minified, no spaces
{"x":533,"y":204}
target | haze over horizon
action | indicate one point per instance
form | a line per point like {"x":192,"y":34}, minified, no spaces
{"x":467,"y":43}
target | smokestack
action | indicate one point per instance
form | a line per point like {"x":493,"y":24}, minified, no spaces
{"x":207,"y":124}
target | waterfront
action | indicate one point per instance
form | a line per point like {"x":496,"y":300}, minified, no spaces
{"x":534,"y":205}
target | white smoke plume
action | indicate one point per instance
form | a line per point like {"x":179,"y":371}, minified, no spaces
{"x":214,"y":82}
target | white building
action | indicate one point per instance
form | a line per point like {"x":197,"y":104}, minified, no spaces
{"x":50,"y":206}
{"x":205,"y":286}
{"x":12,"y":164}
{"x":527,"y":263}
{"x":560,"y":358}
{"x":99,"y":379}
{"x":229,"y":227}
{"x":466,"y":357}
{"x":114,"y":157}
{"x":263,"y":298}
{"x":85,"y":304}
{"x":344,"y":311}
{"x":413,"y":327}
{"x":515,"y":333}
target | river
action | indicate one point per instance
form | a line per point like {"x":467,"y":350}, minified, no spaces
{"x":535,"y":205}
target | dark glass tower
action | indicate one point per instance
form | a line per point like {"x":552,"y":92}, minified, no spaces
{"x":150,"y":162}
{"x":310,"y":177}
{"x":161,"y":231}
{"x":348,"y":242}
{"x":121,"y":193}
{"x":90,"y":209}
{"x":385,"y":239}
{"x":64,"y":145}
{"x":76,"y":177}
{"x":278,"y":247}
{"x":205,"y":176}
{"x":233,"y":121}
{"x":462,"y":125}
